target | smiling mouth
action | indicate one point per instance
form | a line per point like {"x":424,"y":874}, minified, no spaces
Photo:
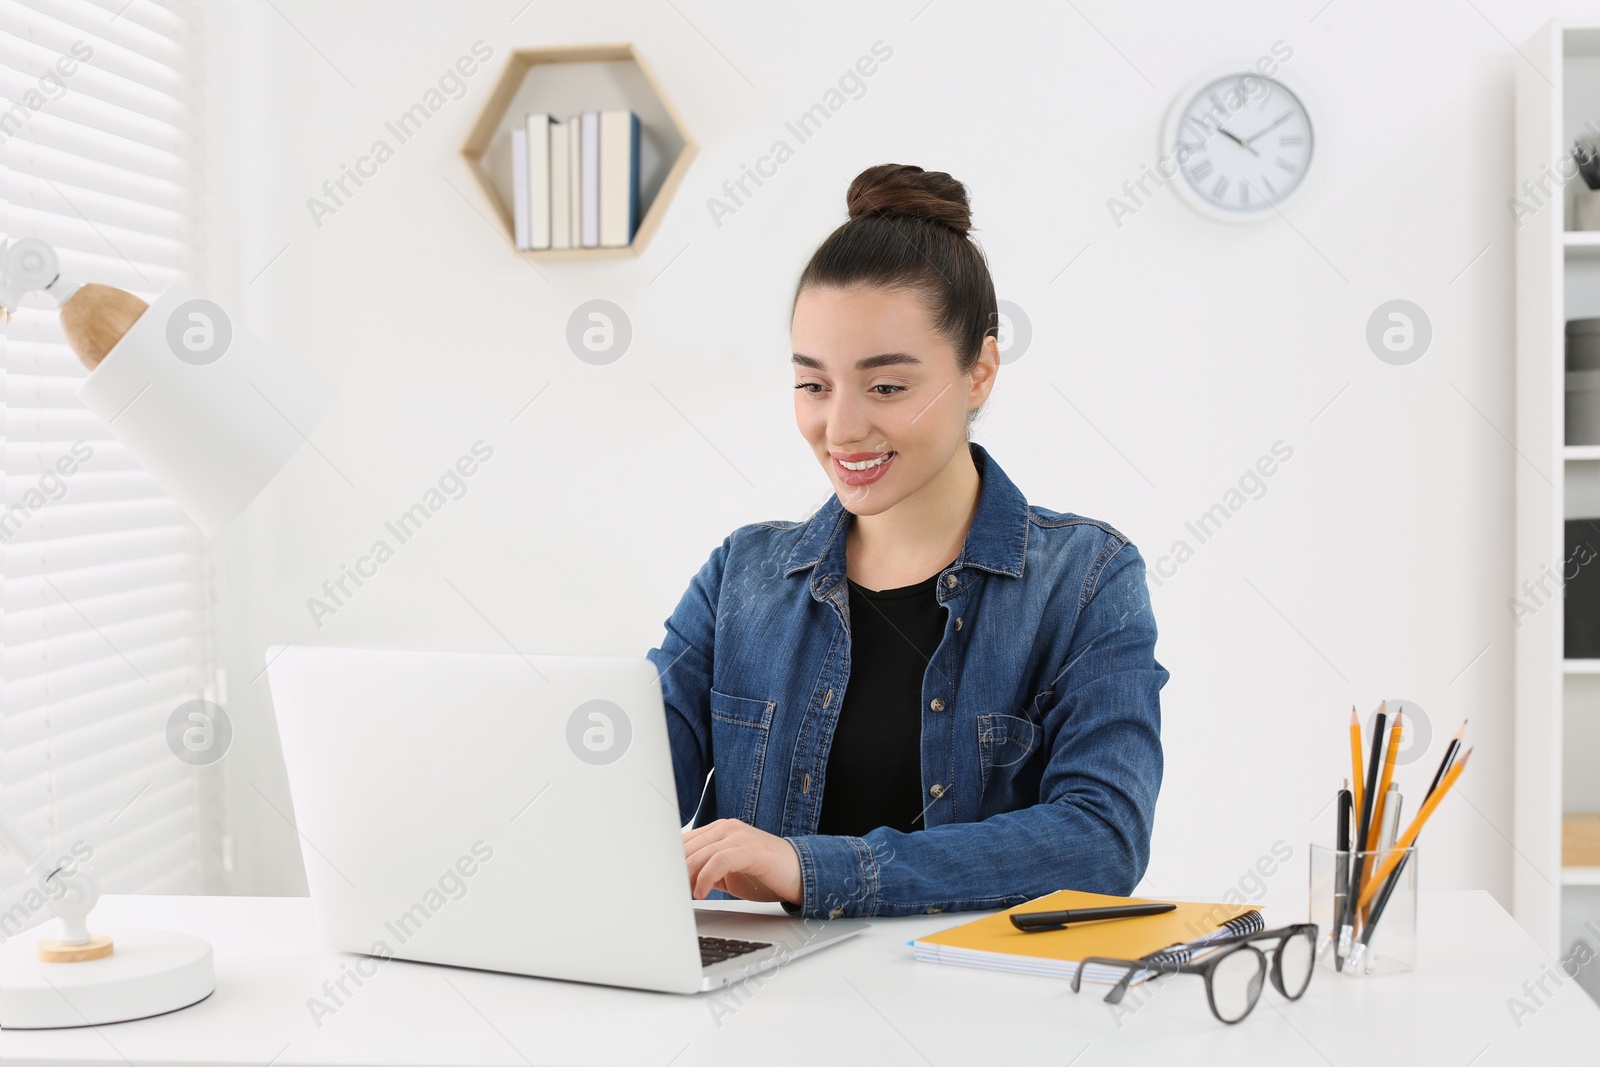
{"x":867,"y":464}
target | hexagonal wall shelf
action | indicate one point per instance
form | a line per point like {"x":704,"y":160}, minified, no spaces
{"x":564,"y":80}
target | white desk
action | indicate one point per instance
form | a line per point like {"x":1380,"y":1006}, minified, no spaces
{"x":866,"y":1001}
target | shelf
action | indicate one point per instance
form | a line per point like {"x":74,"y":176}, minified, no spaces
{"x":1580,"y":876}
{"x":1580,"y":453}
{"x":1581,"y":244}
{"x":1580,"y":666}
{"x":564,"y":80}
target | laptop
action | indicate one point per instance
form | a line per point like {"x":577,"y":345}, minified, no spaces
{"x":507,"y":813}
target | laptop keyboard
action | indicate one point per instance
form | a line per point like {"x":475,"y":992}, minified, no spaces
{"x":718,"y":949}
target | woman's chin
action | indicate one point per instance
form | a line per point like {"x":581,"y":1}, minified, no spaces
{"x":862,"y":499}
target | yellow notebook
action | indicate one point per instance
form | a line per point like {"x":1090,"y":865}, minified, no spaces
{"x":994,"y":943}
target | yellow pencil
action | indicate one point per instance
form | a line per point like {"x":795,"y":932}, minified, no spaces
{"x":1406,"y":839}
{"x":1356,"y":773}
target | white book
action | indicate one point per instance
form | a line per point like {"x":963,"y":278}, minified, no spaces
{"x":619,"y":177}
{"x":519,"y":185}
{"x":589,"y":192}
{"x":560,"y":185}
{"x":575,"y":183}
{"x":538,"y":124}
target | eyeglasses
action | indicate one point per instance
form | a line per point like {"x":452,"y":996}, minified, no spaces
{"x":1234,"y":975}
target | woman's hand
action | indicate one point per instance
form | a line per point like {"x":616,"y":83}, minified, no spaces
{"x":737,"y":858}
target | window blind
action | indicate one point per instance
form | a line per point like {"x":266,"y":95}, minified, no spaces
{"x":105,"y":594}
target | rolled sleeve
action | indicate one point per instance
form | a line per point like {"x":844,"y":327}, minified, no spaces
{"x":839,"y":876}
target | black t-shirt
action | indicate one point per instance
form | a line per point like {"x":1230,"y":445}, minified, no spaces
{"x":874,"y":773}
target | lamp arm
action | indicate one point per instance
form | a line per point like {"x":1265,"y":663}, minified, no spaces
{"x":94,"y":317}
{"x":70,"y":890}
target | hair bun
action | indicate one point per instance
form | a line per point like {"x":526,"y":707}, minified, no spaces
{"x":899,"y":190}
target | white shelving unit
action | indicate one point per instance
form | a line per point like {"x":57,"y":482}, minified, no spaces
{"x":1557,"y":759}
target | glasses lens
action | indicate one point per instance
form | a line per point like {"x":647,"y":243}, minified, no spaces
{"x":1296,"y":955}
{"x":1236,"y":982}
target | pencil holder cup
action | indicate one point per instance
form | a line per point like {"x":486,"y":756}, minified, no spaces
{"x":1379,"y":938}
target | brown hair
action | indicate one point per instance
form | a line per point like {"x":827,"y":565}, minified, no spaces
{"x":908,"y":230}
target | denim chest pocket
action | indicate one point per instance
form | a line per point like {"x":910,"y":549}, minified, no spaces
{"x":740,"y":727}
{"x":1004,"y":741}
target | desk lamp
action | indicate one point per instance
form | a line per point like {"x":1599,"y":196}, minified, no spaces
{"x":210,"y":411}
{"x":213,"y":415}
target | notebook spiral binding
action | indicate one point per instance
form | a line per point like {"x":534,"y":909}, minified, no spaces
{"x":1248,"y":923}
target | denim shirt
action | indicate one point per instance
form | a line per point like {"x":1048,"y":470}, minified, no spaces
{"x":1041,"y":716}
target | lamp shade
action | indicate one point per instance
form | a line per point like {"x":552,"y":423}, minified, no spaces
{"x":211,"y":412}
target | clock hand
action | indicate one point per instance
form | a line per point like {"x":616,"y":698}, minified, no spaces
{"x":1242,"y":144}
{"x":1280,"y":118}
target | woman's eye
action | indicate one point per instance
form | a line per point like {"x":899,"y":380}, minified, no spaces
{"x":892,"y":388}
{"x":810,"y":387}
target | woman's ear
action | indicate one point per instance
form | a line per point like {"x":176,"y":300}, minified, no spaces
{"x":983,"y":373}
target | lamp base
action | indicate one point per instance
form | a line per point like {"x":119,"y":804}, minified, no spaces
{"x":97,"y":947}
{"x":150,"y":973}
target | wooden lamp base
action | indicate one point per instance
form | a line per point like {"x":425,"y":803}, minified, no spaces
{"x":52,"y":950}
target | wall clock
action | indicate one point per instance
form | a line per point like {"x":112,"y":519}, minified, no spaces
{"x":1238,"y":144}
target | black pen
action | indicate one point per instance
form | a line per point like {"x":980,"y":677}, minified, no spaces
{"x":1032,"y":922}
{"x":1341,"y":874}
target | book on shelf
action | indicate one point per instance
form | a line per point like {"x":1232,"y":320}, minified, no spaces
{"x":619,"y":177}
{"x":574,"y":181}
{"x":519,"y":186}
{"x":589,"y":185}
{"x":538,"y":125}
{"x":560,"y":185}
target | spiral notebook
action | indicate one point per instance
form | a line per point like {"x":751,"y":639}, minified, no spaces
{"x":994,"y":943}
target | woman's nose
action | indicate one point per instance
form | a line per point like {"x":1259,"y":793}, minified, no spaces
{"x":848,"y":422}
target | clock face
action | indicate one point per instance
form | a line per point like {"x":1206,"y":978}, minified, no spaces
{"x":1242,"y":144}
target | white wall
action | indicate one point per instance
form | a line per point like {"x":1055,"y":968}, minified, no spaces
{"x":1377,"y":565}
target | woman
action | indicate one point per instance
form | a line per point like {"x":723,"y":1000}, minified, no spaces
{"x":929,"y":696}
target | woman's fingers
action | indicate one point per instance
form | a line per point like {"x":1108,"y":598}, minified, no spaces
{"x":718,"y":835}
{"x":705,"y":836}
{"x":739,"y":859}
{"x":705,"y":880}
{"x":720,"y":865}
{"x":702,"y":851}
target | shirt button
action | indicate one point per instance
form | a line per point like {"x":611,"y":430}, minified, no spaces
{"x":936,"y":704}
{"x":835,"y":913}
{"x":958,"y":622}
{"x":949,"y":581}
{"x":936,"y":790}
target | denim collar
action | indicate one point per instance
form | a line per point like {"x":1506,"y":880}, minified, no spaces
{"x":996,"y":541}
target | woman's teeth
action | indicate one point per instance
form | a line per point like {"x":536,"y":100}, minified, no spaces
{"x":868,"y":464}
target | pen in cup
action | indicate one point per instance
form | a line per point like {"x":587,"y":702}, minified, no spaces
{"x":1391,"y":818}
{"x":1338,"y":932}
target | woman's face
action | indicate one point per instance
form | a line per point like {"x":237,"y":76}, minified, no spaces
{"x":876,"y":387}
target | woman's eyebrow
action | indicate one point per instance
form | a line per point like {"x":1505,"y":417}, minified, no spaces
{"x":887,"y":359}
